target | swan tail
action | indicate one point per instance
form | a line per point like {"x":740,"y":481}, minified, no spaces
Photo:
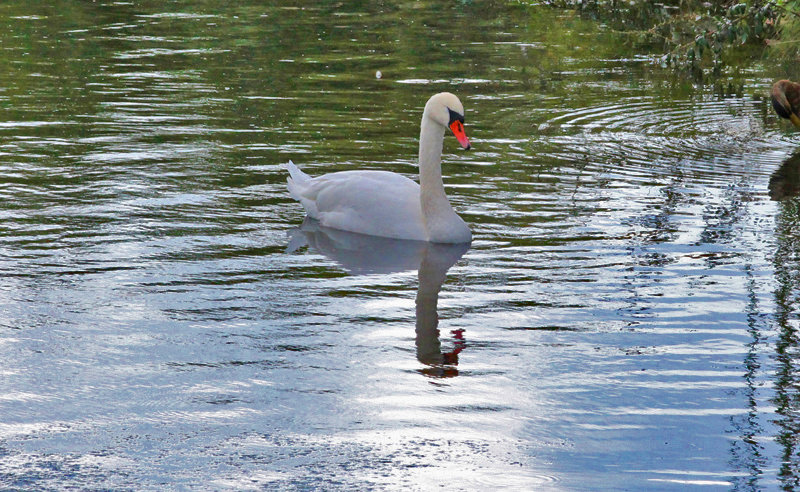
{"x":298,"y":183}
{"x":296,"y":173}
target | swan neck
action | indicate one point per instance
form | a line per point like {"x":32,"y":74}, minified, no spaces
{"x":441,"y":222}
{"x":432,"y":193}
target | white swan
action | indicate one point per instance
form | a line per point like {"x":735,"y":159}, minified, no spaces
{"x":382,"y":203}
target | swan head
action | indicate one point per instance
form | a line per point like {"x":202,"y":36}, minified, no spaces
{"x":445,"y":109}
{"x":786,"y":100}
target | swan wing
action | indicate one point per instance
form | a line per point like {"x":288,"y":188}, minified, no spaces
{"x":379,"y":203}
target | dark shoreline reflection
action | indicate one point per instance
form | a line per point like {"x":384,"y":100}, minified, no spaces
{"x":362,"y":255}
{"x":786,"y":262}
{"x":785,"y":181}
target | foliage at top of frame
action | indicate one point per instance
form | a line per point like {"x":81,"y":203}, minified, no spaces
{"x":701,"y":37}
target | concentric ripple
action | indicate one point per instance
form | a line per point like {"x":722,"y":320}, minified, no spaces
{"x":711,"y":138}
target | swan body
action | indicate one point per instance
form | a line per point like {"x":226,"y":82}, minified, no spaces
{"x":386,"y":204}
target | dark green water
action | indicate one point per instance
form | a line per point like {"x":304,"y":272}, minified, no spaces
{"x":625,"y":319}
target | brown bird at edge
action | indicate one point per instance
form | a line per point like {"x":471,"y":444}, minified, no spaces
{"x":786,"y":100}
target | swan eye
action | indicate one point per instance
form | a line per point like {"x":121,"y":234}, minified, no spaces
{"x":455,"y":117}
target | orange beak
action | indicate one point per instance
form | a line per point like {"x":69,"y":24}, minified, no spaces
{"x":458,"y":130}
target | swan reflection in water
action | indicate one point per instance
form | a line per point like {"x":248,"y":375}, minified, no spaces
{"x":785,"y":181}
{"x":360,"y":254}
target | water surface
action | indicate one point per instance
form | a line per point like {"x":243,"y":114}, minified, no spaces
{"x":625,"y":319}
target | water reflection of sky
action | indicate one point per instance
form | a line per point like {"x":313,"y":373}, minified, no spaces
{"x":625,"y":318}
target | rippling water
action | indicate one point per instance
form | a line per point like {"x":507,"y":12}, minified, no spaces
{"x":625,"y":319}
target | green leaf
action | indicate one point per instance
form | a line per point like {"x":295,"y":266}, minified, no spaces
{"x":737,"y":9}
